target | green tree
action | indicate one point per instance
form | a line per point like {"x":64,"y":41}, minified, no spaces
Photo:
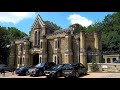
{"x":8,"y":34}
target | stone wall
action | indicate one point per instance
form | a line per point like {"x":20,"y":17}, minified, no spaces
{"x":106,"y":67}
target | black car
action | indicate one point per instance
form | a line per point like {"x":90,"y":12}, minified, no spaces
{"x":38,"y":70}
{"x":4,"y":68}
{"x":23,"y":70}
{"x":74,"y":70}
{"x":55,"y":71}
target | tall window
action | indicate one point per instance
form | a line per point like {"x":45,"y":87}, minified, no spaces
{"x":39,"y":38}
{"x":40,"y":60}
{"x":23,"y":61}
{"x":41,"y":43}
{"x":58,"y":44}
{"x":35,"y":37}
{"x":55,"y":44}
{"x":55,"y":59}
{"x":58,"y":61}
{"x":20,"y":60}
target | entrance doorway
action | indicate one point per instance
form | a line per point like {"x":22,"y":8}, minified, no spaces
{"x":35,"y":59}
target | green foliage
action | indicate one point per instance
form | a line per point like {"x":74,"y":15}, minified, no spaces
{"x":94,"y":67}
{"x":7,"y":34}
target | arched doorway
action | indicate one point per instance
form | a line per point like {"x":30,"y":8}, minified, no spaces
{"x":89,"y":55}
{"x":35,"y":59}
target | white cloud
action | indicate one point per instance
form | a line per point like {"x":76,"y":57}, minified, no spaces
{"x":76,"y":18}
{"x":15,"y":17}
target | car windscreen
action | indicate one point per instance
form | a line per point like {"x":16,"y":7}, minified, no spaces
{"x":56,"y":67}
{"x":40,"y":65}
{"x":68,"y":67}
{"x":22,"y":68}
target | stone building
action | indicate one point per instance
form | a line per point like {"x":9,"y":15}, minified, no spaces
{"x":59,"y":46}
{"x":110,"y":56}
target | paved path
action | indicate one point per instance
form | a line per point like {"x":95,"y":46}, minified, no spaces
{"x":89,"y":75}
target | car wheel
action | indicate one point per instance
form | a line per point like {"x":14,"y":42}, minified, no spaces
{"x":27,"y":73}
{"x":40,"y":73}
{"x":76,"y":74}
{"x":58,"y":74}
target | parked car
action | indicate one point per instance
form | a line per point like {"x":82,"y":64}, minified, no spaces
{"x":117,"y":61}
{"x":55,"y":71}
{"x":38,"y":70}
{"x":4,"y":68}
{"x":23,"y":70}
{"x":74,"y":70}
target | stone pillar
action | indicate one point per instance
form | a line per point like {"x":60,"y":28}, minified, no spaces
{"x":97,"y":46}
{"x":12,"y":54}
{"x":111,"y":60}
{"x":83,"y":55}
{"x":26,"y":55}
{"x":43,"y":49}
{"x":68,"y":49}
{"x":105,"y":60}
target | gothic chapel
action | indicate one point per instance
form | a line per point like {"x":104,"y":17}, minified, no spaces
{"x":45,"y":43}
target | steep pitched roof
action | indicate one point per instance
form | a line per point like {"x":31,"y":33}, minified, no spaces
{"x":38,"y":20}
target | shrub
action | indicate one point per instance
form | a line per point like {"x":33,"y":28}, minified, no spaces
{"x":94,"y":67}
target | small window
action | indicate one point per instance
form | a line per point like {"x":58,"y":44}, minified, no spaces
{"x":114,"y":59}
{"x":108,"y":60}
{"x":103,"y":60}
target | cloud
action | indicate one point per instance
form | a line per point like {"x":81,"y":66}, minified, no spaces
{"x":15,"y":17}
{"x":76,"y":18}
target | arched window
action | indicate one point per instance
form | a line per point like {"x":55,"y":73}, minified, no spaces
{"x":35,"y":37}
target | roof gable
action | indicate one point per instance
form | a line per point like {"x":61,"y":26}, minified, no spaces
{"x":38,"y":23}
